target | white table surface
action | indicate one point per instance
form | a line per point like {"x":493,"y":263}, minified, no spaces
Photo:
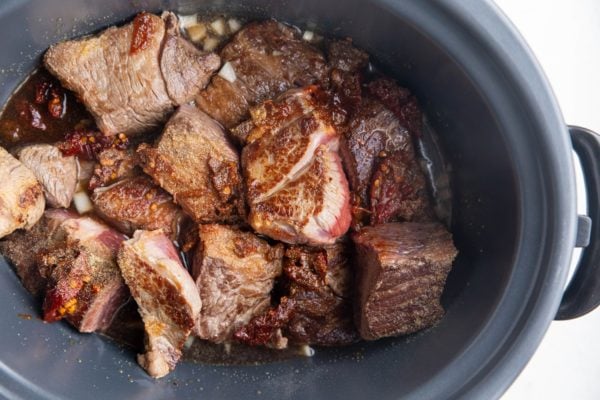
{"x":565,"y":37}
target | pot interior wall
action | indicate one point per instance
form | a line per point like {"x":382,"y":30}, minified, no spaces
{"x":485,"y":220}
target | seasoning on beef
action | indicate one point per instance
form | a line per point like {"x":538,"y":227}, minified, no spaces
{"x":22,"y":248}
{"x":114,"y":164}
{"x":296,"y":189}
{"x":401,"y":273}
{"x":57,"y":173}
{"x":235,"y":272}
{"x":138,"y":203}
{"x":267,"y":58}
{"x":319,"y":282}
{"x":21,"y":198}
{"x":84,"y":284}
{"x":166,"y":295}
{"x":194,"y":161}
{"x":119,"y":77}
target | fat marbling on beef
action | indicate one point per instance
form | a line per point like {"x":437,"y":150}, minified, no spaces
{"x":130,"y":78}
{"x":166,"y":295}
{"x":295,"y":185}
{"x":267,"y":58}
{"x":57,"y":173}
{"x":235,"y":272}
{"x":84,"y":284}
{"x":401,"y":273}
{"x":138,"y":203}
{"x":21,"y":198}
{"x":194,"y":161}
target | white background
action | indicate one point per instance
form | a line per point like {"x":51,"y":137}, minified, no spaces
{"x":565,"y":37}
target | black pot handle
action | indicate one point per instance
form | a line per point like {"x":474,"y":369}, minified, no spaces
{"x":583,"y":293}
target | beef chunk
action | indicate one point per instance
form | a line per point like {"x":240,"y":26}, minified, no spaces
{"x":56,"y":173}
{"x":114,"y":164}
{"x":194,"y":162}
{"x":119,"y":74}
{"x":266,"y":329}
{"x":320,"y":284}
{"x":401,"y":273}
{"x":138,"y":203}
{"x":167,"y":298}
{"x":399,"y":190}
{"x":267,"y":58}
{"x":84,"y":283}
{"x":296,"y":188}
{"x":21,"y":198}
{"x":22,"y":249}
{"x":343,"y":56}
{"x":235,"y":272}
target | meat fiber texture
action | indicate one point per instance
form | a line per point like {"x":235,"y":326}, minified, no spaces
{"x":21,"y":198}
{"x":166,"y":295}
{"x":296,"y":188}
{"x":194,"y":161}
{"x":401,"y":273}
{"x":267,"y":58}
{"x":235,"y":272}
{"x":131,"y":78}
{"x":138,"y":203}
{"x":57,"y":173}
{"x":84,"y":284}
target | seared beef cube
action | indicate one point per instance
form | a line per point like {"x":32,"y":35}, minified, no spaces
{"x":296,"y":188}
{"x":119,"y":74}
{"x":343,"y":56}
{"x":22,"y":249}
{"x":267,"y":59}
{"x":401,"y":273}
{"x":320,"y":284}
{"x":194,"y":162}
{"x":166,"y":295}
{"x":21,"y":198}
{"x":235,"y":272}
{"x":138,"y":203}
{"x":57,"y":173}
{"x":113,"y":165}
{"x":399,"y":190}
{"x":266,"y":329}
{"x":84,"y":283}
{"x":400,"y":101}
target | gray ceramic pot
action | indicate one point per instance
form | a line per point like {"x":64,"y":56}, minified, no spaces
{"x":514,"y":216}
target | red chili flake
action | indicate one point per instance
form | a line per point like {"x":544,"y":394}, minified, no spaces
{"x":87,"y":143}
{"x":143,"y":29}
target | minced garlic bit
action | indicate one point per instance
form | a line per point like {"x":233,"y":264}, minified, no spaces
{"x":196,"y":32}
{"x":234,"y":25}
{"x":227,"y":72}
{"x":218,"y":26}
{"x":308,"y":35}
{"x":210,"y":43}
{"x":186,"y":21}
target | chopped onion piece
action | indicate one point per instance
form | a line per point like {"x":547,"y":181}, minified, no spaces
{"x":227,"y":348}
{"x":307,"y":351}
{"x":308,"y":36}
{"x":186,"y":21}
{"x":227,"y":72}
{"x":210,"y":43}
{"x":196,"y":32}
{"x":234,"y":25}
{"x":189,"y":342}
{"x":218,"y":26}
{"x":82,"y":202}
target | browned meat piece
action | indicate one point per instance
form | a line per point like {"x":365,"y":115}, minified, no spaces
{"x":138,"y":203}
{"x":119,"y":77}
{"x":235,"y":272}
{"x":399,"y":190}
{"x":267,"y":58}
{"x":114,"y":164}
{"x":56,"y":173}
{"x":84,"y":286}
{"x":194,"y":162}
{"x":266,"y":329}
{"x":400,"y":101}
{"x":320,"y":284}
{"x":21,"y":198}
{"x":22,"y":249}
{"x":296,"y":189}
{"x":401,"y":273}
{"x":167,"y":298}
{"x":342,"y":55}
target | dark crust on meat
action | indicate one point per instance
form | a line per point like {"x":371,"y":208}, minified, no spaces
{"x":401,"y":273}
{"x":113,"y":165}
